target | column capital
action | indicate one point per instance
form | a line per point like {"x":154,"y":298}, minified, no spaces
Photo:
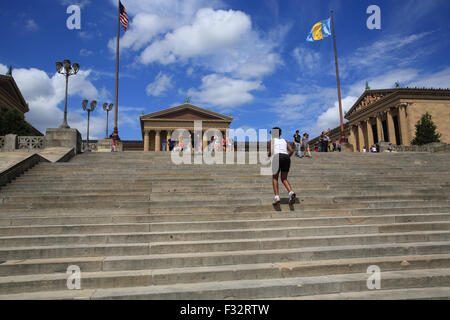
{"x":146,"y":132}
{"x":158,"y":131}
{"x":380,"y":114}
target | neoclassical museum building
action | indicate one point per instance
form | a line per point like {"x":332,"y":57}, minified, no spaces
{"x":157,"y":127}
{"x":391,"y":115}
{"x":12,"y":98}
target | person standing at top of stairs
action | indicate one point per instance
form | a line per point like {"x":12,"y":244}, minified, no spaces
{"x":282,"y":152}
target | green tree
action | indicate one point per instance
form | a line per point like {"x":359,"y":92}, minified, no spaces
{"x":426,"y":131}
{"x":13,"y":122}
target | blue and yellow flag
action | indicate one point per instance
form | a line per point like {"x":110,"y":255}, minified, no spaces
{"x":320,"y":30}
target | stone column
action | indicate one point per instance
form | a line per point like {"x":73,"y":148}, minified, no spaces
{"x":158,"y":141}
{"x":370,"y":139}
{"x":352,"y":138}
{"x":146,"y":140}
{"x":380,"y":132}
{"x":205,"y":141}
{"x":169,"y":136}
{"x":404,"y":132}
{"x":361,"y":137}
{"x":391,"y":127}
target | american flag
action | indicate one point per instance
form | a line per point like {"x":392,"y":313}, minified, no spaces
{"x":123,"y":16}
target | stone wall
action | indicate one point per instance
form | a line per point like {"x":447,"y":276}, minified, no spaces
{"x":431,"y":147}
{"x":439,"y":111}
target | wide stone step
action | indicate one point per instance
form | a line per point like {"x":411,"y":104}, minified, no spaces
{"x":434,"y":293}
{"x":256,"y":289}
{"x":139,"y":278}
{"x":21,"y":218}
{"x":18,"y":201}
{"x":131,"y":236}
{"x":110,"y":227}
{"x":184,"y":260}
{"x":172,"y":247}
{"x":60,"y":196}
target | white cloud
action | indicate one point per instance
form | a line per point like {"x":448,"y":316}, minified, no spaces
{"x":44,"y":94}
{"x":3,"y":69}
{"x":86,"y":53}
{"x":386,"y":52}
{"x":307,"y":59}
{"x":31,"y":25}
{"x":161,"y":84}
{"x":385,"y":81}
{"x":198,"y":32}
{"x":331,"y":118}
{"x":210,"y":31}
{"x":292,"y":99}
{"x":221,"y":91}
{"x":440,"y":79}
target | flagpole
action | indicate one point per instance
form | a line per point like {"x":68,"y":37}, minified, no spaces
{"x":343,"y":139}
{"x":116,"y":130}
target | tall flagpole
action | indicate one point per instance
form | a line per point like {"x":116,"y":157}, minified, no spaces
{"x":343,"y":139}
{"x":116,"y":130}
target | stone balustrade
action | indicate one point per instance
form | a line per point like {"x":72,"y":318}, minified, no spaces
{"x":12,"y":142}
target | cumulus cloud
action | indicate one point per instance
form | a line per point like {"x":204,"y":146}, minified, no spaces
{"x":45,"y":93}
{"x":221,"y":91}
{"x":161,"y":84}
{"x":199,"y":32}
{"x":211,"y":30}
{"x":331,"y":118}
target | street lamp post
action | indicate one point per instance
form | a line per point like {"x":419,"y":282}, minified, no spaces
{"x":93,"y":105}
{"x":107,"y":109}
{"x":68,"y":70}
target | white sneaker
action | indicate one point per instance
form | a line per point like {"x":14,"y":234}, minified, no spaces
{"x":276,"y":200}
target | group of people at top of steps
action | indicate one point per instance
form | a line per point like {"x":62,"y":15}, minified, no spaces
{"x":299,"y":142}
{"x":214,"y":144}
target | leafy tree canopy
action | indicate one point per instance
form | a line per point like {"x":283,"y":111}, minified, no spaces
{"x":13,"y":122}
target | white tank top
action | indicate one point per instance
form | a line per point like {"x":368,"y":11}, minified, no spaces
{"x":279,"y":146}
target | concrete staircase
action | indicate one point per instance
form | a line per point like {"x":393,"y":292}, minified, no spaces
{"x":140,"y":227}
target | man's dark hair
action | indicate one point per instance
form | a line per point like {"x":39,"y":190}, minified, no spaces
{"x":297,"y":131}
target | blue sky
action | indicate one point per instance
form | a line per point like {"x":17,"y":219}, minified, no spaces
{"x":248,"y":58}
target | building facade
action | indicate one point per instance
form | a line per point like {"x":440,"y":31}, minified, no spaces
{"x":391,"y":115}
{"x":158,"y":127}
{"x":12,"y":98}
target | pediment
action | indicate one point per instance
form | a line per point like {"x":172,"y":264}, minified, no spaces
{"x":186,"y":112}
{"x":368,"y":98}
{"x":10,"y":88}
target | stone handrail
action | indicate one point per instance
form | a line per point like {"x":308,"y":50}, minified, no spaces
{"x":93,"y":146}
{"x":31,"y":143}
